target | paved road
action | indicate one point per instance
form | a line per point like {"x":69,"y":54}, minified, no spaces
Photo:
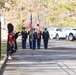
{"x":58,"y":59}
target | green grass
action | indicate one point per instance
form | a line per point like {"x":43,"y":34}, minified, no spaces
{"x":3,"y":49}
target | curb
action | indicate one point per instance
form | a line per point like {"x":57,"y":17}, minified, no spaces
{"x":2,"y":63}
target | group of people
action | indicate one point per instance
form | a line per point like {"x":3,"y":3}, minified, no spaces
{"x":34,"y":38}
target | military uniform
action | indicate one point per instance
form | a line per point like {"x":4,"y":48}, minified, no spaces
{"x":10,"y":41}
{"x":34,"y":39}
{"x":16,"y":36}
{"x":45,"y":38}
{"x":30,"y":38}
{"x":39,"y":39}
{"x":24,"y":38}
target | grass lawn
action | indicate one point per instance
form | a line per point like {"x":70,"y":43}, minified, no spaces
{"x":3,"y":49}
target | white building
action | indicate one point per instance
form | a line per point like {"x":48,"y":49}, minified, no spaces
{"x":4,"y":31}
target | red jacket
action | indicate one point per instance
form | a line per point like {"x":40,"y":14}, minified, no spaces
{"x":11,"y":38}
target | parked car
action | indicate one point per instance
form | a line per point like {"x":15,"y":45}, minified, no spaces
{"x":53,"y":31}
{"x":67,"y":33}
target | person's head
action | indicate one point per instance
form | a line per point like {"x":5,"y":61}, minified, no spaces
{"x":45,"y":29}
{"x":23,"y":28}
{"x":33,"y":29}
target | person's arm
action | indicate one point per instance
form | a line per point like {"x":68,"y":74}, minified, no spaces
{"x":26,"y":34}
{"x":16,"y":35}
{"x":48,"y":34}
{"x":43,"y":35}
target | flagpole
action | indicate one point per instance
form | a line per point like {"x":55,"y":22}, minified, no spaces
{"x":30,"y":25}
{"x":38,"y":24}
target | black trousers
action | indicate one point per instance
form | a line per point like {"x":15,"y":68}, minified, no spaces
{"x":38,"y":43}
{"x":16,"y":45}
{"x":45,"y":43}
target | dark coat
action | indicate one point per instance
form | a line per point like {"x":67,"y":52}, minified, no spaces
{"x":24,"y":34}
{"x":35,"y":35}
{"x":32,"y":35}
{"x":45,"y":35}
{"x":16,"y":35}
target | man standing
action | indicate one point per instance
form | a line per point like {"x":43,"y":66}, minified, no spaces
{"x":10,"y":41}
{"x":30,"y":38}
{"x":34,"y":37}
{"x":45,"y":38}
{"x":38,"y":39}
{"x":16,"y":36}
{"x":24,"y":37}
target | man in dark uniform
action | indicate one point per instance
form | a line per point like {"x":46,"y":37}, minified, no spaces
{"x":38,"y":38}
{"x":45,"y":38}
{"x":30,"y":38}
{"x":34,"y":37}
{"x":16,"y":36}
{"x":24,"y":37}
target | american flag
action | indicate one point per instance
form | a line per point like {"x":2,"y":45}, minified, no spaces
{"x":30,"y":22}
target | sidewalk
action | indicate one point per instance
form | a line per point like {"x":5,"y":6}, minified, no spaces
{"x":38,"y":62}
{"x":2,"y":62}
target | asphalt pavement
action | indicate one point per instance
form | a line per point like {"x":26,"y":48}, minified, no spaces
{"x":58,"y":59}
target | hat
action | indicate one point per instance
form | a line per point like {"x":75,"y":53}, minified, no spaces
{"x":10,"y":27}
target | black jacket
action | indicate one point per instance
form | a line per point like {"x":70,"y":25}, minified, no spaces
{"x":45,"y":35}
{"x":24,"y":34}
{"x":16,"y":35}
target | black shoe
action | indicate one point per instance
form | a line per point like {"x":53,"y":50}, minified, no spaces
{"x":13,"y":51}
{"x":45,"y":48}
{"x":23,"y":48}
{"x":33,"y":49}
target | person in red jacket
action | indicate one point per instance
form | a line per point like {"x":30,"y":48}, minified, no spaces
{"x":10,"y":41}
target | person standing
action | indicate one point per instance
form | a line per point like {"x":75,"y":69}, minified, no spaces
{"x":16,"y":36}
{"x":24,"y":37}
{"x":30,"y":38}
{"x":10,"y":41}
{"x":45,"y":38}
{"x":38,"y":38}
{"x":34,"y":37}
